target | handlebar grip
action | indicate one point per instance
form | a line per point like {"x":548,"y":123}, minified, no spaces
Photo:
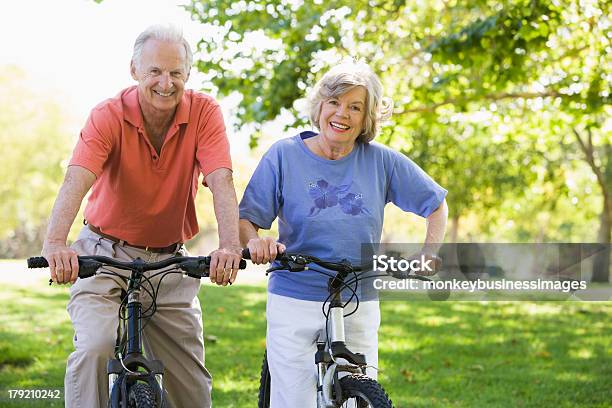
{"x":246,"y":254}
{"x":37,"y":262}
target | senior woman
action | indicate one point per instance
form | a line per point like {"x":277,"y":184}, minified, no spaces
{"x":329,"y":191}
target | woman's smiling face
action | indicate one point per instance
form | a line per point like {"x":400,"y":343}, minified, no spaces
{"x":341,"y":119}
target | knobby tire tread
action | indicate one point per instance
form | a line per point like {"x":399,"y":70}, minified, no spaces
{"x":142,"y":396}
{"x":263,"y":400}
{"x":356,"y":385}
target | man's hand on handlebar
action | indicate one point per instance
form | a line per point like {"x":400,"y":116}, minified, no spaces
{"x":63,"y":262}
{"x":224,"y":265}
{"x":264,"y":250}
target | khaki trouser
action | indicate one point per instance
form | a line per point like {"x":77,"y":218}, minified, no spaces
{"x":173,"y":335}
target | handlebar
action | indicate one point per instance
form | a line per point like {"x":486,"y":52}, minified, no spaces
{"x":196,"y":267}
{"x":294,"y":262}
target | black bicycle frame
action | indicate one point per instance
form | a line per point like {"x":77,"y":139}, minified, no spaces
{"x":134,"y":312}
{"x":124,"y":369}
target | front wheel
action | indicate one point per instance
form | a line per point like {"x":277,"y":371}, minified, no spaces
{"x":264,"y":384}
{"x":361,"y":391}
{"x":141,"y":396}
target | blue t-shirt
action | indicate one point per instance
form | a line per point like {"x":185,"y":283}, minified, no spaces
{"x":328,"y":208}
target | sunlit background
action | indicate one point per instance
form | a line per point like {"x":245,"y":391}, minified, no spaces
{"x":79,"y":50}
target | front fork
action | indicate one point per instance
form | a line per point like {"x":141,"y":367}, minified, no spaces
{"x":113,"y":377}
{"x":327,"y":368}
{"x":134,"y":341}
{"x":323,"y":361}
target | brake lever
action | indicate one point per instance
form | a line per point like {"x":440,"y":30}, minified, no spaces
{"x":193,"y":268}
{"x":274,"y":268}
{"x":296,"y":267}
{"x":291,"y":266}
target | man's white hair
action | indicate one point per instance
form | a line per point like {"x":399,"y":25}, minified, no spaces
{"x":160,"y":32}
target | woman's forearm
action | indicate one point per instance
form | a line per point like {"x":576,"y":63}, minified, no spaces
{"x":248,"y":231}
{"x":436,"y":228}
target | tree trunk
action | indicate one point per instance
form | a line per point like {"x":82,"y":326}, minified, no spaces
{"x":603,"y":173}
{"x":601,"y":262}
{"x":454,"y":232}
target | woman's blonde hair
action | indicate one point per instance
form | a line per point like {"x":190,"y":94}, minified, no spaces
{"x":341,"y":79}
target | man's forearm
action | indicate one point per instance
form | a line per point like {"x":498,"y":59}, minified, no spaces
{"x":77,"y":182}
{"x":226,"y":208}
{"x":436,"y":228}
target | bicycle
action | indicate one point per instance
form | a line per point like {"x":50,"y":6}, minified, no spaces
{"x":134,"y":380}
{"x":356,"y":386}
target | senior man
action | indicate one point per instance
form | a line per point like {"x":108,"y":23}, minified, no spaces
{"x":141,"y":154}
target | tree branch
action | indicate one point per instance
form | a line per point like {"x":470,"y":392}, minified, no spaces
{"x":590,"y":158}
{"x":490,"y":97}
{"x":571,"y":53}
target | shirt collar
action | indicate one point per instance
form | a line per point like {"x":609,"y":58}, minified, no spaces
{"x":133,"y":114}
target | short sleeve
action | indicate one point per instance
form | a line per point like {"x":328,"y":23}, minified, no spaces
{"x":262,"y":198}
{"x":412,"y":190}
{"x":95,"y":141}
{"x":213,"y":150}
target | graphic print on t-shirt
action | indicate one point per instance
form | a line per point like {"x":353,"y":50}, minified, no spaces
{"x":326,"y":195}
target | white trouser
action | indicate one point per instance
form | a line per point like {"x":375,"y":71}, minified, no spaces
{"x":293,"y":329}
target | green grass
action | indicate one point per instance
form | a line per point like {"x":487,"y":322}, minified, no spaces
{"x":432,"y":354}
{"x":35,"y":340}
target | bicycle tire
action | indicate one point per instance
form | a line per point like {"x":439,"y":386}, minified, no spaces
{"x":141,"y":395}
{"x":263,"y":400}
{"x":366,"y":391}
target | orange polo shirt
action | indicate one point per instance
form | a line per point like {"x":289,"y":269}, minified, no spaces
{"x":139,"y":196}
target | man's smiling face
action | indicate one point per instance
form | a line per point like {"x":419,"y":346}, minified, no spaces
{"x":161,"y":72}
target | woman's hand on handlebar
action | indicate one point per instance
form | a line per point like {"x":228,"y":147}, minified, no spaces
{"x":63,"y":263}
{"x":430,"y":263}
{"x":264,"y":250}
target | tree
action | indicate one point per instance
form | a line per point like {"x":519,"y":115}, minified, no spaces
{"x":35,"y":144}
{"x":470,"y":81}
